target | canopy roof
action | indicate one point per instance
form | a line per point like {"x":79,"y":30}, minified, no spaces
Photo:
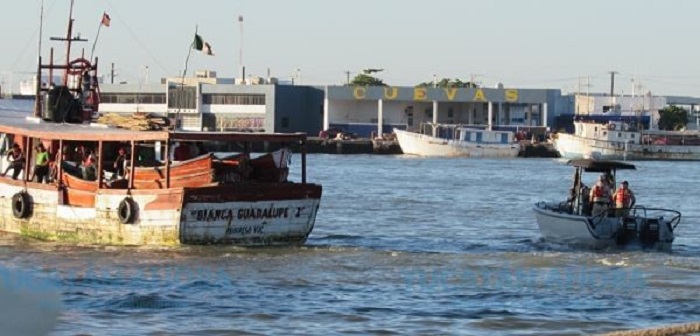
{"x":21,"y":124}
{"x":601,"y":166}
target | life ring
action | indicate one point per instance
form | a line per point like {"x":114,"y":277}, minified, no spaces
{"x":126,"y":211}
{"x":21,"y":205}
{"x":77,"y":66}
{"x":611,"y":127}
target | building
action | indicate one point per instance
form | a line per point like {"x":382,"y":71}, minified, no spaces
{"x":376,"y":110}
{"x":208,"y":103}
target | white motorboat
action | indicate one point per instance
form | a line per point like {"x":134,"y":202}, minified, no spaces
{"x":617,"y":140}
{"x":457,"y":140}
{"x":571,"y":222}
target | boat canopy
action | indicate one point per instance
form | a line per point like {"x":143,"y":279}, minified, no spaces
{"x":590,"y":165}
{"x":37,"y":128}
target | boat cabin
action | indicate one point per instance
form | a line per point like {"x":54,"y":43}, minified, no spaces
{"x":466,"y":133}
{"x":86,"y":159}
{"x":578,"y":197}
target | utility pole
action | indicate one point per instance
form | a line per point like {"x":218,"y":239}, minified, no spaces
{"x":612,"y":83}
{"x":111,"y":73}
{"x":347,"y":75}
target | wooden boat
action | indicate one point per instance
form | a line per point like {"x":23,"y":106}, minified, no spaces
{"x":457,"y":141}
{"x":572,"y":222}
{"x":617,"y":140}
{"x":238,"y":199}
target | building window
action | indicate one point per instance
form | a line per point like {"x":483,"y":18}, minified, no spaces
{"x":233,"y":99}
{"x":182,"y":97}
{"x":285,"y":122}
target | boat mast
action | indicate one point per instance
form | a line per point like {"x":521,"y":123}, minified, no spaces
{"x":37,"y":101}
{"x":69,"y":41}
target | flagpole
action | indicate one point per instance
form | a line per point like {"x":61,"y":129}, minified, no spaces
{"x":94,"y":43}
{"x":182,"y":82}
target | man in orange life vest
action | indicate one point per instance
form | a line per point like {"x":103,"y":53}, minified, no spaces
{"x":624,"y":198}
{"x":600,"y":196}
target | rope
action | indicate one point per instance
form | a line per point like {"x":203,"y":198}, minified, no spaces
{"x":675,"y":329}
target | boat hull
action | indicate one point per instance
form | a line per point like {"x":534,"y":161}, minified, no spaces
{"x":231,"y":214}
{"x":557,"y":225}
{"x":425,"y":145}
{"x":574,"y":147}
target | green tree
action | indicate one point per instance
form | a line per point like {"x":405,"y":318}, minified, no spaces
{"x":449,"y":83}
{"x":366,"y":78}
{"x":673,"y":118}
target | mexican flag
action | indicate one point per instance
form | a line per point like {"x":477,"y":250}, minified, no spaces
{"x":202,"y":46}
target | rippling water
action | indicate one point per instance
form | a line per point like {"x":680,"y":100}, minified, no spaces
{"x":402,"y":245}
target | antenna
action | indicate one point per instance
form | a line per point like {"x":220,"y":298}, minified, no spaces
{"x":240,"y":46}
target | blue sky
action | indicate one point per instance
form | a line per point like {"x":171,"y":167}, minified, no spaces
{"x":521,"y":43}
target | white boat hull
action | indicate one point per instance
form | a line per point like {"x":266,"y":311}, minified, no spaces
{"x":559,"y":226}
{"x":425,"y":145}
{"x":573,"y":147}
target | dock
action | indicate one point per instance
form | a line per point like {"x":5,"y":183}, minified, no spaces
{"x":528,"y":148}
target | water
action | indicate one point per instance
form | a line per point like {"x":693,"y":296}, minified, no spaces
{"x":401,"y":245}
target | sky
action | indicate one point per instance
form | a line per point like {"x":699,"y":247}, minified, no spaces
{"x":651,"y":45}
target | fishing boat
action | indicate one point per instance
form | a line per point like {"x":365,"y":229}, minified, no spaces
{"x":109,"y":185}
{"x":573,"y":222}
{"x":619,"y":140}
{"x":457,"y":141}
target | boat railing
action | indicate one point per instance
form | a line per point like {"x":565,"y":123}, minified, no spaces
{"x":642,"y":211}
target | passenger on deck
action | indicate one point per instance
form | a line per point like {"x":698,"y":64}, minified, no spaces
{"x":120,"y":162}
{"x":16,"y":158}
{"x":624,"y":199}
{"x":41,"y":165}
{"x":87,"y":167}
{"x":182,"y":152}
{"x":600,"y":196}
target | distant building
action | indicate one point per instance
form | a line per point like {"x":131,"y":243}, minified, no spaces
{"x":367,"y":110}
{"x":208,"y":103}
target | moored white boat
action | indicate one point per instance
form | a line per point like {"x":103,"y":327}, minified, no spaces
{"x":571,"y":221}
{"x":458,"y":140}
{"x":618,"y":140}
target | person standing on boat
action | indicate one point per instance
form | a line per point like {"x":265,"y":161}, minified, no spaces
{"x":16,"y":159}
{"x":600,"y":196}
{"x":624,"y":199}
{"x":120,"y":163}
{"x":41,"y":164}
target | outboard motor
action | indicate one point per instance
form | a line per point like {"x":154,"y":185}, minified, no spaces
{"x":627,"y":231}
{"x":649,"y":233}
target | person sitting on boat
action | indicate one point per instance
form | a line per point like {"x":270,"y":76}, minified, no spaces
{"x":181,"y":152}
{"x":41,"y":164}
{"x":624,"y":199}
{"x":16,"y":158}
{"x":600,"y":196}
{"x":88,"y":165}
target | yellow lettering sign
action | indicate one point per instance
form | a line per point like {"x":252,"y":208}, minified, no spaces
{"x":359,"y":93}
{"x":511,"y":95}
{"x":391,"y":93}
{"x":479,"y":95}
{"x":451,"y":93}
{"x":420,"y":94}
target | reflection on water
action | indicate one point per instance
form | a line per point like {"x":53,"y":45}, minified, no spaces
{"x":401,"y":245}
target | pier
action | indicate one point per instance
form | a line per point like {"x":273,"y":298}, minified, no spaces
{"x":367,"y":146}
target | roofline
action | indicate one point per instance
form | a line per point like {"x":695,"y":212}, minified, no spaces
{"x":128,"y":135}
